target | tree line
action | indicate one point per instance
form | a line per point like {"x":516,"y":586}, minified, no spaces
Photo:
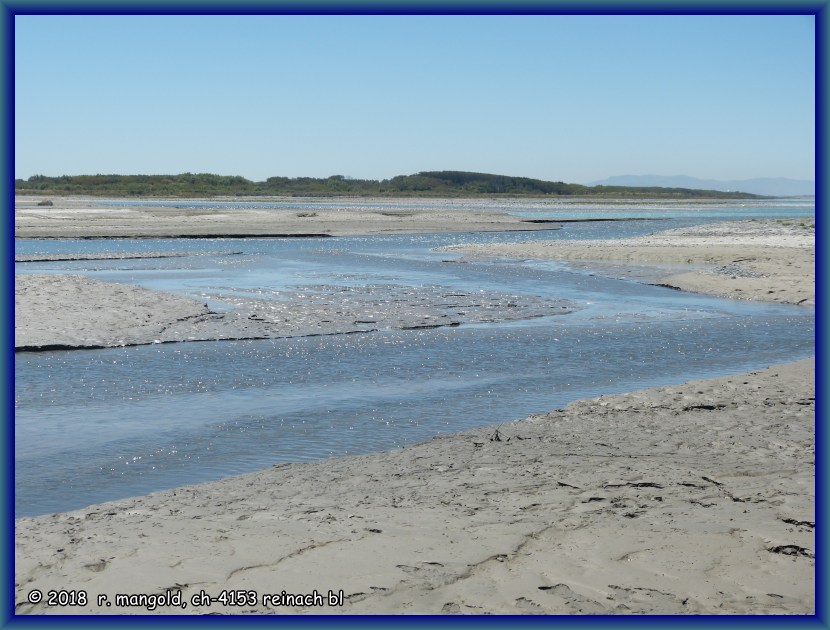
{"x":423,"y":184}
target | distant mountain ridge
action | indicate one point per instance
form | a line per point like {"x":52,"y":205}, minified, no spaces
{"x":766,"y":186}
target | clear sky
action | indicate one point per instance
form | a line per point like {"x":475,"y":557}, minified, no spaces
{"x":571,"y":98}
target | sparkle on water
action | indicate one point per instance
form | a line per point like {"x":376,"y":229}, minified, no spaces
{"x":98,"y":425}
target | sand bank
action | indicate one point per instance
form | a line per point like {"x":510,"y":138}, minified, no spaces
{"x":66,"y":312}
{"x":689,"y":499}
{"x":72,"y":311}
{"x":753,"y":260}
{"x":23,"y":258}
{"x":71,"y":217}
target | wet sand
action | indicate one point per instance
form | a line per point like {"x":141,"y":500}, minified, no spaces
{"x":74,"y":312}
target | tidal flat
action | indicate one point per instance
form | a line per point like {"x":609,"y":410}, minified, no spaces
{"x":391,"y":464}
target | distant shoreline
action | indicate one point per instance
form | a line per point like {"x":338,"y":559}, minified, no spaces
{"x":422,"y":184}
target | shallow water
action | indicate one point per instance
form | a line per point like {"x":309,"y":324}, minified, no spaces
{"x":98,"y":425}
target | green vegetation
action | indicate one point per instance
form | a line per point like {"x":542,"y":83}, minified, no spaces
{"x":425,"y":184}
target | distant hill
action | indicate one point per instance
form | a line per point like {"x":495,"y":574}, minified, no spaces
{"x":765,"y":186}
{"x":423,"y":184}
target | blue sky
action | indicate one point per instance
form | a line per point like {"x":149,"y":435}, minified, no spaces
{"x":572,"y":98}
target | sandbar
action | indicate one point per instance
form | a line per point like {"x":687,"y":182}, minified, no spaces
{"x":76,"y":312}
{"x":766,"y":260}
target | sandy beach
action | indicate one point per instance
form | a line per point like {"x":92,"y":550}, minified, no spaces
{"x":695,"y":498}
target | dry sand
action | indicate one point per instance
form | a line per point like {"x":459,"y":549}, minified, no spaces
{"x":753,"y":260}
{"x":689,"y":499}
{"x":72,"y":217}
